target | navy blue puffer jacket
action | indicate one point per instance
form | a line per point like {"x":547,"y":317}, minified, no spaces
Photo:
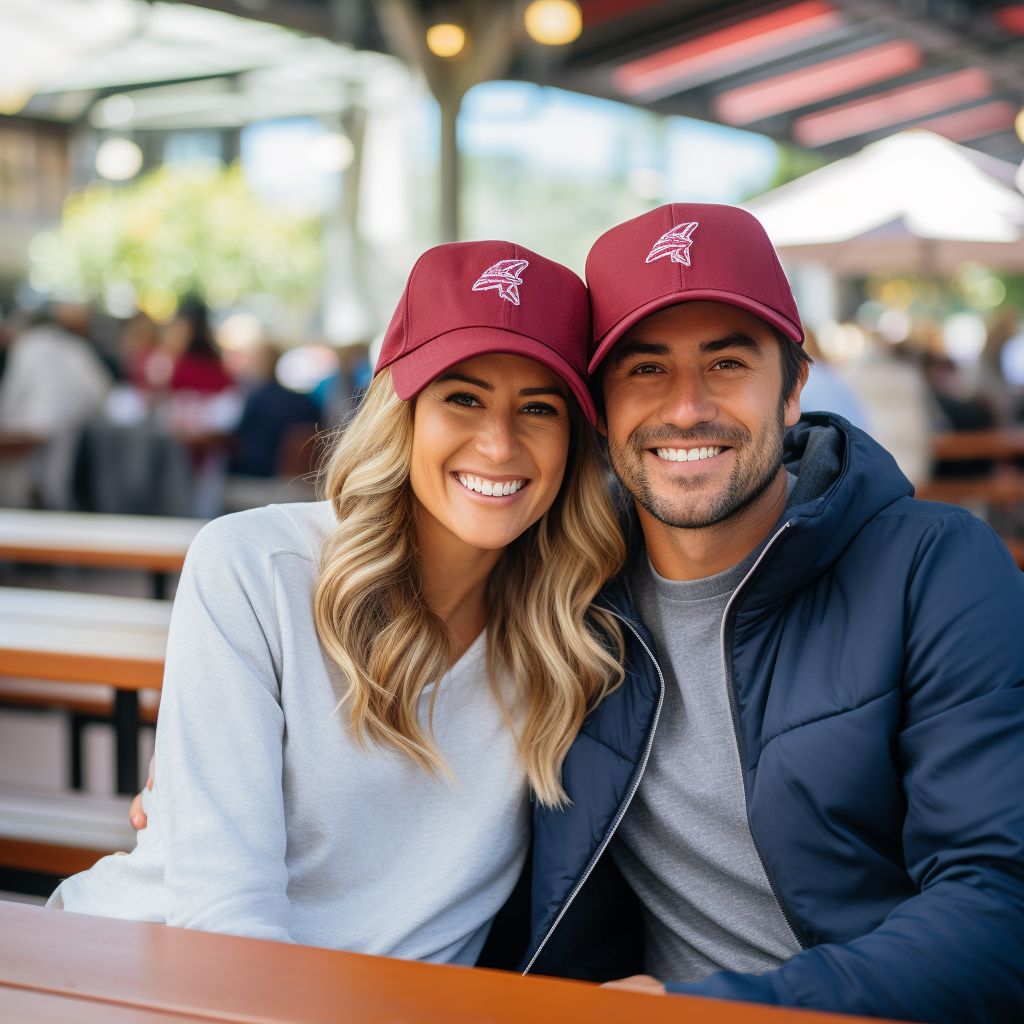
{"x":875,"y":655}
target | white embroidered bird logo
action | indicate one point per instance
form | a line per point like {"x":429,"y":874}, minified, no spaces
{"x":675,"y":243}
{"x":504,"y":278}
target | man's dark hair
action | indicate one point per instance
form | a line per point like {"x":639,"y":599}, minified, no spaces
{"x":793,"y":358}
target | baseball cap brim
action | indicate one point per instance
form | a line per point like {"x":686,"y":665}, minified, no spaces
{"x":792,"y":331}
{"x":411,"y":373}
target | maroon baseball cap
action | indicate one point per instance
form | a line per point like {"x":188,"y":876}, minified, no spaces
{"x":468,"y":299}
{"x":681,"y":253}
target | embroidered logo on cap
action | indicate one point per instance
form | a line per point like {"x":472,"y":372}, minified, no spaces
{"x":675,"y":243}
{"x":503,"y":278}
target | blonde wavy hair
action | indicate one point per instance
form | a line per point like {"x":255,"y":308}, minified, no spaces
{"x":561,"y":654}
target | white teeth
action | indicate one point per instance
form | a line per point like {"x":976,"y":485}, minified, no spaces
{"x":489,"y":487}
{"x":687,"y":454}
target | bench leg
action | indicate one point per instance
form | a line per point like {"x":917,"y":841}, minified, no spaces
{"x":76,"y":723}
{"x":159,"y":583}
{"x":126,"y":726}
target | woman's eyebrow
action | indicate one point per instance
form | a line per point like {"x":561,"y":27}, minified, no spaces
{"x":467,"y":380}
{"x":542,"y":391}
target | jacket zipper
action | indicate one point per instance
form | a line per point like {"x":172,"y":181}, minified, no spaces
{"x":622,"y":808}
{"x":740,"y":748}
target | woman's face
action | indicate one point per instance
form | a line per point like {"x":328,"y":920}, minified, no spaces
{"x":490,"y":443}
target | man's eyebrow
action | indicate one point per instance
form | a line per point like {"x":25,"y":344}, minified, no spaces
{"x":736,"y":340}
{"x":639,"y":348}
{"x":466,"y":380}
{"x":542,"y":391}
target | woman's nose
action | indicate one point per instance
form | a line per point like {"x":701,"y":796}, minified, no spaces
{"x":498,"y":440}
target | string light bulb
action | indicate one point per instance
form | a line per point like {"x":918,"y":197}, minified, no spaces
{"x":445,"y":40}
{"x":553,"y":22}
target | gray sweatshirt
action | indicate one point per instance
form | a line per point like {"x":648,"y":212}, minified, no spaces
{"x":268,"y":819}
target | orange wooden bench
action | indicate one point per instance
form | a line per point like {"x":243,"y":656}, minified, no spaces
{"x":56,"y":966}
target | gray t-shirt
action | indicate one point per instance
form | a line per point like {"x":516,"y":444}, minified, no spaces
{"x":685,"y":846}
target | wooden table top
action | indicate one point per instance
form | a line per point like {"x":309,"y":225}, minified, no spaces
{"x":56,"y":966}
{"x":154,"y":543}
{"x":83,"y":638}
{"x":1004,"y":443}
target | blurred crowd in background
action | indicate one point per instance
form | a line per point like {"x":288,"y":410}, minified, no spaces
{"x":206,"y":219}
{"x":173,"y":418}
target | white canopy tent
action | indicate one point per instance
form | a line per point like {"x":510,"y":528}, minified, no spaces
{"x":914,"y":202}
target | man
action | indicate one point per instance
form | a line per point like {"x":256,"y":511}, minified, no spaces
{"x":53,"y":383}
{"x":812,"y":779}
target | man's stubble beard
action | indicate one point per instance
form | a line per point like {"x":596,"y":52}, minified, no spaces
{"x":752,"y":475}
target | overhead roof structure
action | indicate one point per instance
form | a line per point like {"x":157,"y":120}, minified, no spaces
{"x":171,"y":66}
{"x":829,"y":75}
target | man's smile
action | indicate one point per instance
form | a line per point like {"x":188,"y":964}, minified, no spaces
{"x":696,"y":454}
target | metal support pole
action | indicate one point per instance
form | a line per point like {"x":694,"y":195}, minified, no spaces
{"x":450,"y":168}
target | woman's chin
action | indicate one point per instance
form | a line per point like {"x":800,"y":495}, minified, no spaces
{"x":486,"y":536}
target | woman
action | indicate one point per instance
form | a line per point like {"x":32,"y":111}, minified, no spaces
{"x":361,"y":693}
{"x":197,"y":365}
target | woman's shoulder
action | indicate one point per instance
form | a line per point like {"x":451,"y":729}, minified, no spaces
{"x":260,"y":533}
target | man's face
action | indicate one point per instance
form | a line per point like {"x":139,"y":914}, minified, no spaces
{"x":700,"y":382}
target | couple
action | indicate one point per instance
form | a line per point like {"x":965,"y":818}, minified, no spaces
{"x":757,"y":734}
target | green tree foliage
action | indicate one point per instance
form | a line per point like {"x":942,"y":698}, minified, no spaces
{"x":180,"y":229}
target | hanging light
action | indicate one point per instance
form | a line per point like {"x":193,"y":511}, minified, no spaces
{"x":553,"y":22}
{"x":1019,"y":125}
{"x":445,"y":40}
{"x":118,"y":159}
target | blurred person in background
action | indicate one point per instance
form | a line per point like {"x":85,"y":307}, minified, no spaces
{"x":825,"y":390}
{"x":189,"y":340}
{"x":139,"y":343}
{"x":897,"y":404}
{"x":53,"y":383}
{"x":272,"y":414}
{"x":992,"y":386}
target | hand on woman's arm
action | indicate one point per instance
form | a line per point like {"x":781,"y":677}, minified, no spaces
{"x":136,"y":815}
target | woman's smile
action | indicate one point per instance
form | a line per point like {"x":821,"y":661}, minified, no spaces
{"x":489,"y":486}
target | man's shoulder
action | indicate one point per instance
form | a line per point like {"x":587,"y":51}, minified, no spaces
{"x":924,"y":534}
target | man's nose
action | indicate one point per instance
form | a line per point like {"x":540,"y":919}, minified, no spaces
{"x":688,"y":401}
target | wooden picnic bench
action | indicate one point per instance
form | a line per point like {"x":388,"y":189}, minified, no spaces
{"x":156,"y":544}
{"x":89,"y":638}
{"x":56,"y":966}
{"x":1003,"y":487}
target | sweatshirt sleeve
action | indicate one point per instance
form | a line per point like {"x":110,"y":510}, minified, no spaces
{"x":954,"y":952}
{"x":219,"y":741}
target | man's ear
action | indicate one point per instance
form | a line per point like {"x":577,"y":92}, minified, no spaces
{"x":792,"y":414}
{"x":602,"y":426}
